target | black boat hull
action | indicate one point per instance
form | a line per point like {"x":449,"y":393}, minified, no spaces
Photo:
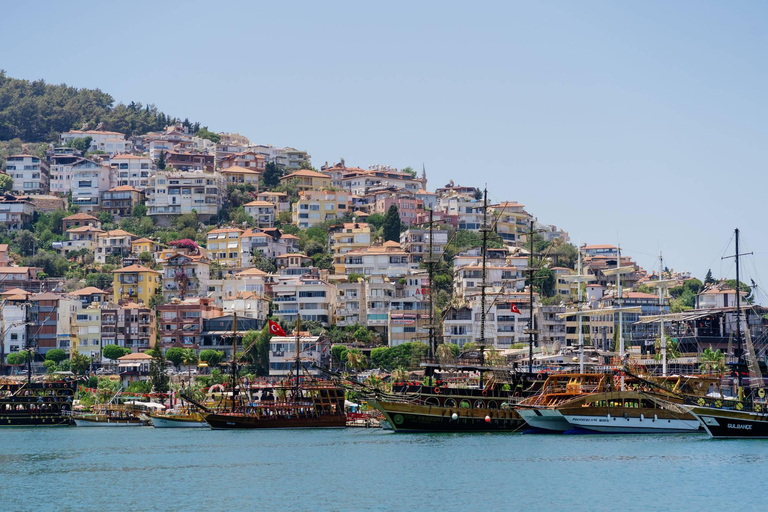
{"x":730,"y":424}
{"x":240,"y":421}
{"x":419,"y":418}
{"x":41,"y":420}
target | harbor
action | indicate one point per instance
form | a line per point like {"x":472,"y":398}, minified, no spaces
{"x":162,"y":469}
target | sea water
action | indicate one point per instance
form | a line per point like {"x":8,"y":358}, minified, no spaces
{"x":369,"y":469}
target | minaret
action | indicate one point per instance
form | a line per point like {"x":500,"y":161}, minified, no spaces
{"x":423,"y":176}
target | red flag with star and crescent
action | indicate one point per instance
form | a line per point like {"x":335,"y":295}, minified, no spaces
{"x":514,"y":309}
{"x":275,"y":329}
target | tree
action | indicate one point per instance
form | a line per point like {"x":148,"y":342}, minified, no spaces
{"x":205,"y":133}
{"x":363,"y":335}
{"x":392,"y":225}
{"x":17,"y":358}
{"x":114,"y":352}
{"x":6,"y":183}
{"x":356,"y":359}
{"x":139,"y":211}
{"x":81,"y":144}
{"x":709,"y":279}
{"x":257,"y":345}
{"x":188,"y":358}
{"x":272,"y":174}
{"x":160,"y":162}
{"x":175,"y":355}
{"x":145,"y":257}
{"x":158,"y":372}
{"x":79,"y":363}
{"x":56,"y":355}
{"x":712,"y":361}
{"x":211,"y":357}
{"x":339,"y":354}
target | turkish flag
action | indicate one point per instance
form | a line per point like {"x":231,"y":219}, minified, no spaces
{"x":514,"y":309}
{"x":275,"y":329}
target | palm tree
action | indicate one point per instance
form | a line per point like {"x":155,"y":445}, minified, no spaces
{"x":356,"y":359}
{"x":712,"y":361}
{"x":672,"y":352}
{"x":188,"y":358}
{"x":399,"y":374}
{"x":444,"y":354}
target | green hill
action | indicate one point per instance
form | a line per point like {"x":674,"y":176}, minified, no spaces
{"x":39,"y":112}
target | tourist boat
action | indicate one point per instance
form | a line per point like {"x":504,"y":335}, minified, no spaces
{"x":440,"y":406}
{"x":742,"y":416}
{"x":111,"y":415}
{"x":540,"y":411}
{"x":627,"y":412}
{"x":295,"y":403}
{"x":413,"y":407}
{"x":310,"y":404}
{"x":24,"y":404}
{"x":178,"y":419}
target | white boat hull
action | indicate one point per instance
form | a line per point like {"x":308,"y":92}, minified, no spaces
{"x":172,"y":423}
{"x":642,"y":425}
{"x":106,"y":423}
{"x":544,"y":419}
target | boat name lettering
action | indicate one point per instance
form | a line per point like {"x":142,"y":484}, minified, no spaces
{"x":740,"y":426}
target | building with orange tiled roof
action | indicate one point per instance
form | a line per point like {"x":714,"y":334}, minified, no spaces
{"x":135,"y":283}
{"x":247,"y":159}
{"x":308,"y":180}
{"x":80,"y":219}
{"x":262,"y":212}
{"x":224,"y":246}
{"x":280,"y":199}
{"x":172,"y":193}
{"x":131,"y":170}
{"x":120,"y":201}
{"x":237,"y":175}
{"x":113,"y":243}
{"x":317,"y":206}
{"x":347,"y":237}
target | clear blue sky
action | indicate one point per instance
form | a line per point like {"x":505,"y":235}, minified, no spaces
{"x":643,"y":122}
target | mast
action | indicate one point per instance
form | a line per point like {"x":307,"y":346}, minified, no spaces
{"x":484,"y":263}
{"x":234,"y":358}
{"x":532,"y":329}
{"x":619,"y":301}
{"x":431,"y":273}
{"x":662,"y":338}
{"x":581,"y":330}
{"x":298,"y":352}
{"x":738,"y":306}
{"x":28,"y":322}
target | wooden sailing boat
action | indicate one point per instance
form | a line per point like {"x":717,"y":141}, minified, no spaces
{"x":441,"y":407}
{"x":742,"y":416}
{"x":305,"y":404}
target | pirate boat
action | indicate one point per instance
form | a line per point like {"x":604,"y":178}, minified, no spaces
{"x":439,"y":405}
{"x":295,"y":403}
{"x":24,"y":404}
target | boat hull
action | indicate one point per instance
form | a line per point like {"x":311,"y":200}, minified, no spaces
{"x":633,"y":425}
{"x":545,"y":419}
{"x":160,"y":422}
{"x":243,"y":421}
{"x":730,"y":424}
{"x":427,"y":418}
{"x":36,"y":420}
{"x":109,"y":422}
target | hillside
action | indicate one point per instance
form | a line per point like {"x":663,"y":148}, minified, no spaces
{"x":38,"y":112}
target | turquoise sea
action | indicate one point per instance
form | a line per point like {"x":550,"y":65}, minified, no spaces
{"x":358,"y":469}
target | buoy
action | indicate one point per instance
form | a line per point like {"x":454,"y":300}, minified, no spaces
{"x":487,"y":419}
{"x":454,"y":416}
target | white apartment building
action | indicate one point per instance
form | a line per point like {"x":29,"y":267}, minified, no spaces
{"x":131,"y":170}
{"x":350,"y":303}
{"x":503,"y":328}
{"x":282,"y":353}
{"x":89,"y":180}
{"x":15,"y":337}
{"x":289,"y":158}
{"x":383,"y":260}
{"x":185,"y":275}
{"x":416,"y":242}
{"x":108,"y":142}
{"x":308,"y":296}
{"x":113,"y":243}
{"x":468,"y":210}
{"x":30,"y":174}
{"x":61,"y":172}
{"x":263,"y":212}
{"x":171,"y":193}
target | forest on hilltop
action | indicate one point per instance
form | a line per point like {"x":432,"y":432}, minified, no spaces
{"x":35,"y":111}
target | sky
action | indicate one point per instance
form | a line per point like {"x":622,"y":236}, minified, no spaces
{"x":639,"y":123}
